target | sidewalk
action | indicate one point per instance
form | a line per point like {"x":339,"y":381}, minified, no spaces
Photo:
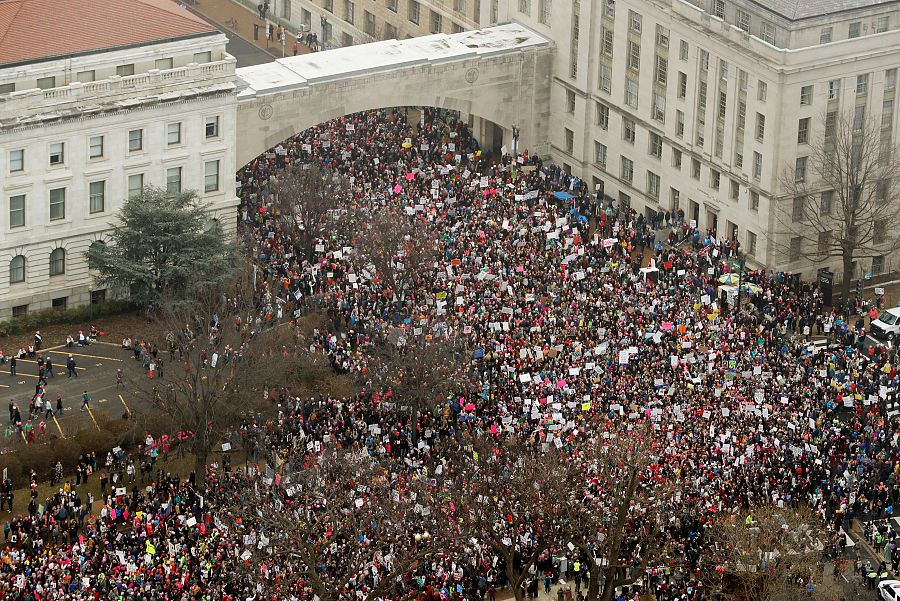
{"x":234,"y":18}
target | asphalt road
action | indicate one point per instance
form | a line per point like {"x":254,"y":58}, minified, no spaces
{"x":96,"y":367}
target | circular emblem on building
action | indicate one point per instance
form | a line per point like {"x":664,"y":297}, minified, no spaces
{"x":265,"y":111}
{"x":472,"y":75}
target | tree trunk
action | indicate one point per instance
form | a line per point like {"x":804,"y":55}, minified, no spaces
{"x":200,"y":468}
{"x":848,"y":276}
{"x":593,"y":590}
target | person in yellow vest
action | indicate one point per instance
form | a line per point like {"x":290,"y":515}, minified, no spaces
{"x":576,"y":574}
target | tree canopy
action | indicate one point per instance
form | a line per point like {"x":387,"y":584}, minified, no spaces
{"x":164,"y":246}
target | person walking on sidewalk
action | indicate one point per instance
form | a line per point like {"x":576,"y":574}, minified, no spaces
{"x":59,"y":406}
{"x":85,"y":399}
{"x":70,"y":365}
{"x":120,"y":378}
{"x":12,"y":366}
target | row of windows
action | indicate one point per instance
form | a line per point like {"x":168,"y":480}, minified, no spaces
{"x":97,"y":193}
{"x":97,"y":144}
{"x":17,"y":266}
{"x":89,"y":75}
{"x":413,"y":14}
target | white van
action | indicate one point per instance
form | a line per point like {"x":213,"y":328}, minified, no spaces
{"x":889,"y":590}
{"x":887,"y":326}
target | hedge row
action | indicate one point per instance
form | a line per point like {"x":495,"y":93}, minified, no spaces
{"x":49,"y":317}
{"x":41,"y":458}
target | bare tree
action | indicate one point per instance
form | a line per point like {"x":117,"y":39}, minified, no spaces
{"x":399,"y":249}
{"x":614,"y":509}
{"x":512,"y":494}
{"x":767,"y":554}
{"x":307,"y":200}
{"x":844,"y":196}
{"x":221,"y":363}
{"x":354,"y":524}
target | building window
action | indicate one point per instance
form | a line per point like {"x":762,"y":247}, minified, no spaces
{"x":609,"y":9}
{"x":695,"y":168}
{"x":862,"y":84}
{"x":7,"y":88}
{"x":743,"y":20}
{"x":173,"y":180}
{"x":97,"y":197}
{"x":607,"y":46}
{"x":570,"y":140}
{"x":390,"y":31}
{"x":329,"y":5}
{"x":679,"y":123}
{"x":96,"y":147}
{"x":719,"y":8}
{"x":20,"y":311}
{"x":58,"y":261}
{"x":676,"y":159}
{"x":606,"y":78}
{"x":723,"y":104}
{"x":349,"y":11}
{"x":878,"y":264}
{"x":834,"y":89}
{"x":634,"y":21}
{"x":57,"y":204}
{"x":435,"y":22}
{"x":826,"y":201}
{"x":735,"y":190}
{"x":715,"y":178}
{"x":125,"y":70}
{"x":173,"y":134}
{"x":674,"y":199}
{"x":859,"y":118}
{"x":600,"y":154}
{"x":659,"y":107}
{"x":634,"y":55}
{"x":60,"y":304}
{"x":163,"y":64}
{"x":854,"y":30}
{"x":662,"y":70}
{"x":85,"y":76}
{"x":413,"y":11}
{"x":627,"y":169}
{"x":768,"y":32}
{"x":825,"y":35}
{"x":662,"y":36}
{"x":211,"y":176}
{"x":683,"y":50}
{"x":794,"y":253}
{"x":17,"y":269}
{"x":682,"y":84}
{"x":202,"y":57}
{"x":370,"y":22}
{"x":760,"y":126}
{"x":806,"y":93}
{"x":803,"y":131}
{"x":652,"y":184}
{"x":135,"y":140}
{"x":800,"y":169}
{"x":704,"y":60}
{"x":58,"y":153}
{"x":701,"y":95}
{"x":98,"y":297}
{"x":546,"y":8}
{"x":602,"y":115}
{"x":631,"y":92}
{"x":570,"y":101}
{"x":757,"y":165}
{"x":656,"y":145}
{"x":628,"y":129}
{"x":887,"y":114}
{"x":762,"y":90}
{"x":17,"y":160}
{"x":751,"y":243}
{"x":17,"y":211}
{"x":212,"y":127}
{"x":135,"y":185}
{"x":46,"y":83}
{"x":754,"y":200}
{"x":525,"y":7}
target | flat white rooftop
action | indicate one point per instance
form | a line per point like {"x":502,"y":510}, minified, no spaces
{"x":299,"y":71}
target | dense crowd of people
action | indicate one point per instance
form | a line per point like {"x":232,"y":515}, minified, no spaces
{"x":581,"y":319}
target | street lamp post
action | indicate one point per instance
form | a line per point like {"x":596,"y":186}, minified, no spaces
{"x":324,"y":22}
{"x":515,"y":132}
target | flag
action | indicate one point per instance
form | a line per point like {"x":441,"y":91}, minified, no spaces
{"x":150,"y":548}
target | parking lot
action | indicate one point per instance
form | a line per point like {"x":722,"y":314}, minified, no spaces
{"x":96,"y":367}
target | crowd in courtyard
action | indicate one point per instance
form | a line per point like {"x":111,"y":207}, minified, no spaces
{"x":581,"y":320}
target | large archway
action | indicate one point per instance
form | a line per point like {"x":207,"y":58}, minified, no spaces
{"x":499,"y":74}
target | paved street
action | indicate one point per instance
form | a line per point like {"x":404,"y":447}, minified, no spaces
{"x":96,"y":374}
